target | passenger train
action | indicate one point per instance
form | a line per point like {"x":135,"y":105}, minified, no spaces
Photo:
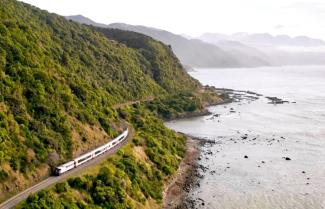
{"x":90,"y":155}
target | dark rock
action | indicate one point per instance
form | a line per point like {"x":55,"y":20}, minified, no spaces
{"x":287,"y":158}
{"x":203,"y":168}
{"x":245,"y":156}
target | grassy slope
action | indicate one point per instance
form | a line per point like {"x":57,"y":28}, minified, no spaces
{"x":59,"y":82}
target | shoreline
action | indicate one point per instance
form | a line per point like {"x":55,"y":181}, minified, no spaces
{"x":175,"y":194}
{"x":203,"y":112}
{"x":176,"y":191}
{"x":187,"y":176}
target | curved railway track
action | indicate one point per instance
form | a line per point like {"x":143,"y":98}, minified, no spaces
{"x":15,"y":200}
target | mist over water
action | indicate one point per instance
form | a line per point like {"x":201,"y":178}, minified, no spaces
{"x":266,"y":134}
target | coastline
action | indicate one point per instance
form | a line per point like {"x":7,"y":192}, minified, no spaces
{"x":175,"y":195}
{"x":203,"y":112}
{"x":187,"y":176}
{"x":176,"y":191}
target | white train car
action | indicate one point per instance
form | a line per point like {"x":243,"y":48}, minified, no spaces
{"x":91,"y":155}
{"x":64,"y":168}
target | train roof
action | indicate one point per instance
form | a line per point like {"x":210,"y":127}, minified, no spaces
{"x":65,"y":164}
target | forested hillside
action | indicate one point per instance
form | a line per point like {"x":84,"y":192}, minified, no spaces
{"x":60,"y":84}
{"x":163,"y":66}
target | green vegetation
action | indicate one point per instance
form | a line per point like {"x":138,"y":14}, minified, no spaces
{"x":159,"y":61}
{"x":172,"y":106}
{"x":125,"y":180}
{"x":60,"y":83}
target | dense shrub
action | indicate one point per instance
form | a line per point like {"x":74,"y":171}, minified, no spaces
{"x":53,"y":71}
{"x":57,"y":77}
{"x":124,"y":180}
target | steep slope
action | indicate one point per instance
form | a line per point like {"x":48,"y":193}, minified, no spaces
{"x":59,"y":84}
{"x":191,"y":52}
{"x":163,"y":66}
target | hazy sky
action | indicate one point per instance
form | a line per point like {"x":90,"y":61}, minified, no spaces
{"x":194,"y":17}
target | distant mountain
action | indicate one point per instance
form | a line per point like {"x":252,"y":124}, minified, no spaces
{"x":191,"y":52}
{"x":84,"y":20}
{"x":246,"y":54}
{"x":263,"y":39}
{"x":195,"y":53}
{"x":186,"y":36}
{"x":277,"y":50}
{"x":215,"y":50}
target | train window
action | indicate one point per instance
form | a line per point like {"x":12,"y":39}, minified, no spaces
{"x":97,"y":152}
{"x":83,"y":159}
{"x":113,"y":143}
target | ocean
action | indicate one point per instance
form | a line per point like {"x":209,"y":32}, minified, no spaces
{"x":266,"y":155}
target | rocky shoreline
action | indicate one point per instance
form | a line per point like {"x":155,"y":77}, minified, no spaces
{"x":187,"y":176}
{"x":175,"y":195}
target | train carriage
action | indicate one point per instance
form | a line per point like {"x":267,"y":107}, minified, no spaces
{"x":64,"y":168}
{"x":90,"y":155}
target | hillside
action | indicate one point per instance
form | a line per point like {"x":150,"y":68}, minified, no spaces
{"x":191,"y":52}
{"x":60,"y":85}
{"x":194,"y":53}
{"x":162,"y":65}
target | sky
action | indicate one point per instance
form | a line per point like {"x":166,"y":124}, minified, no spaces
{"x":195,"y":17}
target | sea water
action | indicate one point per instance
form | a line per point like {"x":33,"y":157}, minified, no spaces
{"x":266,"y":156}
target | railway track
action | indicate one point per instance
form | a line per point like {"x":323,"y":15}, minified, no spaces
{"x":15,"y":200}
